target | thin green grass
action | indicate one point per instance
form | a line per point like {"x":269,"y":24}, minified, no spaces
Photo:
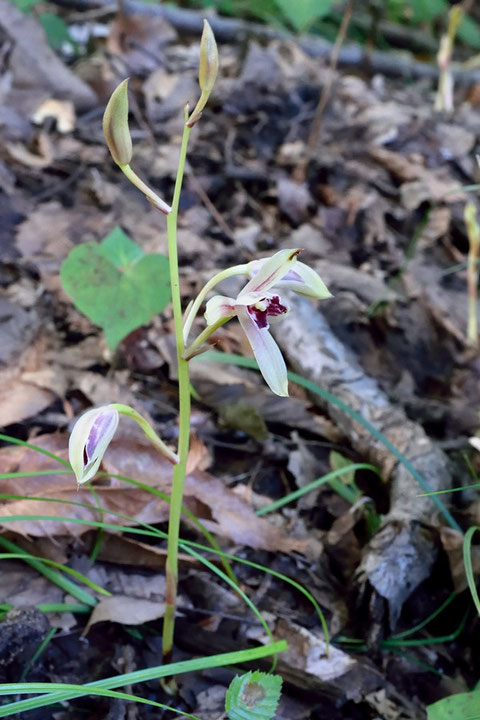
{"x":467,"y":560}
{"x":50,"y":572}
{"x":38,"y":653}
{"x":296,"y":494}
{"x":58,"y":692}
{"x":52,"y":563}
{"x":400,"y":639}
{"x":153,"y":491}
{"x":152,"y":531}
{"x":240,"y":361}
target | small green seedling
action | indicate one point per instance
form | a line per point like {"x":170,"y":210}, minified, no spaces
{"x":253,"y":696}
{"x":116,"y":285}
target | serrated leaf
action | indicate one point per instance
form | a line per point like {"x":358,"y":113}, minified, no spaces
{"x":253,"y":696}
{"x":303,"y":12}
{"x":456,"y":707}
{"x":116,"y":285}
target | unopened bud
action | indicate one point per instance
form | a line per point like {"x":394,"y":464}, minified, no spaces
{"x":115,"y":125}
{"x":208,"y":70}
{"x":89,"y":440}
{"x":208,"y":59}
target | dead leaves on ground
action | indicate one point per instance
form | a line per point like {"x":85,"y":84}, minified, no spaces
{"x":221,"y":510}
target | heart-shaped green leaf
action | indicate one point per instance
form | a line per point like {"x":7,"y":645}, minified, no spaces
{"x":463,"y":706}
{"x":115,"y":284}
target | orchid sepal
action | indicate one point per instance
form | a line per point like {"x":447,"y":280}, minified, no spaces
{"x":89,"y":440}
{"x":301,"y":279}
{"x":93,"y":433}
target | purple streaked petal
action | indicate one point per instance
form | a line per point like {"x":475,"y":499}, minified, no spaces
{"x":270,"y":272}
{"x":267,"y":354}
{"x":89,"y":440}
{"x":219,"y":307}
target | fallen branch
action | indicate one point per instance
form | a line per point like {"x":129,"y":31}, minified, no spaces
{"x":237,"y":30}
{"x":401,"y":554}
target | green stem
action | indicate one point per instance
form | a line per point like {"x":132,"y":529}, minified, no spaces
{"x":179,"y":470}
{"x":151,"y":196}
{"x":147,"y":429}
{"x":191,"y":350}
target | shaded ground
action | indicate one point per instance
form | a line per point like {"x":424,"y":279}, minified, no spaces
{"x":380,"y":215}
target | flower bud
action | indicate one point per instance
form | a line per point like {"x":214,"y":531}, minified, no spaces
{"x":208,"y":59}
{"x":207,"y":72}
{"x":89,"y":440}
{"x":115,"y":125}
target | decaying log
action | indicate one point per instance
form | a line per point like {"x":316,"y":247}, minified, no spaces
{"x":401,"y":554}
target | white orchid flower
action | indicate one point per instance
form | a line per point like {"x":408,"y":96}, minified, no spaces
{"x":89,"y":440}
{"x":259,"y":303}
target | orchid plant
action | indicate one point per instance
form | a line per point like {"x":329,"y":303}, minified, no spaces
{"x":259,"y":303}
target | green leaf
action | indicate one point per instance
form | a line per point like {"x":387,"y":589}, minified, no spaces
{"x":302,"y":13}
{"x":56,"y":30}
{"x":119,"y":249}
{"x":338,"y":461}
{"x":426,"y":10}
{"x":254,"y":695}
{"x":464,"y":706}
{"x":469,"y":32}
{"x":244,"y":417}
{"x":116,"y":285}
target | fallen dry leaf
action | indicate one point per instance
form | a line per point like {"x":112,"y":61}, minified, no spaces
{"x":63,"y":111}
{"x":217,"y":506}
{"x":21,"y":396}
{"x":307,"y":651}
{"x":125,"y":610}
{"x":36,"y":69}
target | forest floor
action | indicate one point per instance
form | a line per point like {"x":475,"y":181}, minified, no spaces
{"x":379,"y":212}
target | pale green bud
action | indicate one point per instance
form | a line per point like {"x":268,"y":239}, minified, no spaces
{"x":115,"y":125}
{"x":207,"y":72}
{"x":208,"y":59}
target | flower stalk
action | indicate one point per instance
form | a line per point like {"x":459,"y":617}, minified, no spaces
{"x":179,"y":472}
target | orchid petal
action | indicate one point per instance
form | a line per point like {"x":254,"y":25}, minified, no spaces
{"x":267,"y":354}
{"x":271,"y":271}
{"x":219,"y":307}
{"x":301,"y":279}
{"x":89,"y":440}
{"x":304,"y":281}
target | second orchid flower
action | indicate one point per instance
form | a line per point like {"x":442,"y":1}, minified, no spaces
{"x":259,"y":302}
